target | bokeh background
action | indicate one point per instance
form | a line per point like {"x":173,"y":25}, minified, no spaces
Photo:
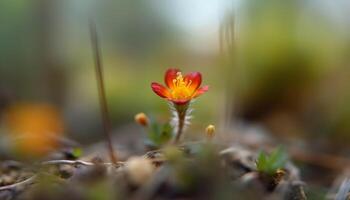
{"x":281,"y":65}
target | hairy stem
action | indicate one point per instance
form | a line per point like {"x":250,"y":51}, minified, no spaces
{"x":180,"y":127}
{"x":181,"y":115}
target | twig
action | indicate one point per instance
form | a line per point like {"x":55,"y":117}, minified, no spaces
{"x":76,"y":162}
{"x":101,"y":90}
{"x":31,"y":180}
{"x":24,"y":183}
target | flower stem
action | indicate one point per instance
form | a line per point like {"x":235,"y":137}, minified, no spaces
{"x":181,"y":114}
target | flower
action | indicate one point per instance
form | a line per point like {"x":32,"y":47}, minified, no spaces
{"x":181,"y":89}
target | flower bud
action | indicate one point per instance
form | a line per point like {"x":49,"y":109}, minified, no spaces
{"x":210,"y":131}
{"x":142,"y":119}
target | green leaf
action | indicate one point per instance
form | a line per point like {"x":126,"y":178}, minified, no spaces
{"x":278,"y":158}
{"x":271,"y":163}
{"x":153,"y":132}
{"x":159,"y":134}
{"x":166,"y":133}
{"x":262,"y":161}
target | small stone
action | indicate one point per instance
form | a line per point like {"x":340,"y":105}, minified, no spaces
{"x":139,"y":170}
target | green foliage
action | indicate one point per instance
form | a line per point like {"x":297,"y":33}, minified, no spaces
{"x":269,"y":164}
{"x":77,"y":152}
{"x":158,"y":134}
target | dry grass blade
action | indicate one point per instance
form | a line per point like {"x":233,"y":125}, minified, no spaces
{"x":226,"y":44}
{"x":101,"y":89}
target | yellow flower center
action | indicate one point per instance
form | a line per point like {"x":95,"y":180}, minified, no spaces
{"x":181,"y":89}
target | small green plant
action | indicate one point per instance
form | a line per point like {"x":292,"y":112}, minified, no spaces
{"x":157,"y":134}
{"x":269,"y":164}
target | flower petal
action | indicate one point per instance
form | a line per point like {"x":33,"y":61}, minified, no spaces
{"x":196,"y":80}
{"x":160,"y":90}
{"x":170,"y":75}
{"x":200,"y":91}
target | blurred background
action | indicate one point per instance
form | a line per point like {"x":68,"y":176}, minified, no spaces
{"x":282,"y":65}
{"x":46,"y":56}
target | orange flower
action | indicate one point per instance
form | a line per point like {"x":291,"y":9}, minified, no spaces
{"x":181,"y":89}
